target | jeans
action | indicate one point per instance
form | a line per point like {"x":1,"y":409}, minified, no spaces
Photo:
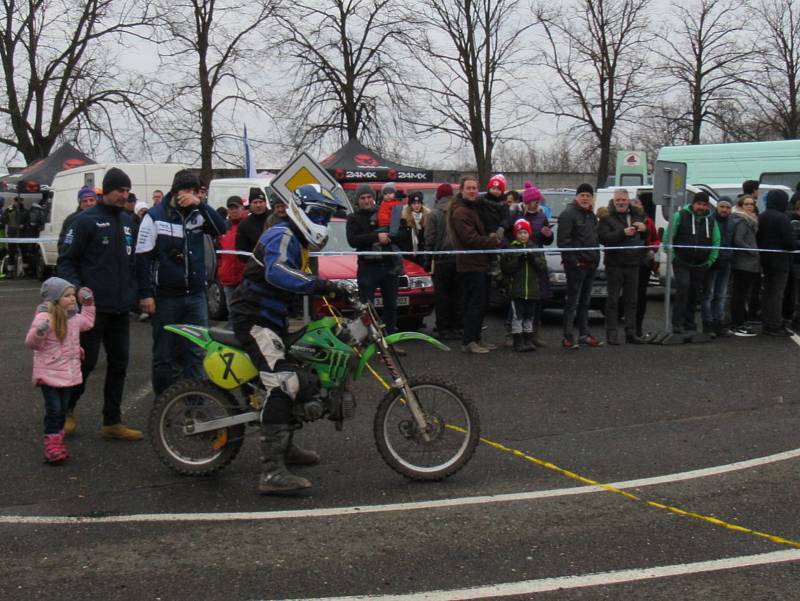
{"x":173,"y":355}
{"x":473,"y":295}
{"x":716,"y":295}
{"x":579,"y":294}
{"x":446,"y":305}
{"x":626,"y":281}
{"x":112,"y":330}
{"x":689,"y":284}
{"x":56,"y":404}
{"x":772,"y":305}
{"x":370,"y":278}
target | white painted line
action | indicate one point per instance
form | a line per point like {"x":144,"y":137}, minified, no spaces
{"x":529,"y":587}
{"x":391,"y":507}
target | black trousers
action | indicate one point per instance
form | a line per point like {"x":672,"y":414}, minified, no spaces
{"x":623,"y":280}
{"x":641,"y":297}
{"x":372,"y":276}
{"x":111,"y":330}
{"x":579,"y":295}
{"x":473,"y":301}
{"x":743,"y":284}
{"x":446,"y":302}
{"x":772,"y":305}
{"x":689,"y":289}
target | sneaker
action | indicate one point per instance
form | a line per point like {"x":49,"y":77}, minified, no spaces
{"x":474,"y":348}
{"x":487,"y":345}
{"x":780,"y":332}
{"x":744,"y":331}
{"x":570,"y":344}
{"x":120,"y":432}
{"x":70,"y":424}
{"x":590,"y":340}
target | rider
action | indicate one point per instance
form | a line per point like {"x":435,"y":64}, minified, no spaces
{"x":274,"y":275}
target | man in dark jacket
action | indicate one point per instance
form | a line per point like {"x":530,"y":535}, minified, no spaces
{"x":577,"y":228}
{"x":98,"y":254}
{"x":443,"y":269}
{"x":716,"y":294}
{"x":775,"y":233}
{"x":364,"y":234}
{"x":171,"y":273}
{"x":621,"y":224}
{"x":87,"y":198}
{"x":467,"y":232}
{"x":15,"y":218}
{"x":252,"y":226}
{"x":697,"y":237}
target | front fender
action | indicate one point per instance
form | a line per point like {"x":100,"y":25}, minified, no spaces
{"x":391,"y":339}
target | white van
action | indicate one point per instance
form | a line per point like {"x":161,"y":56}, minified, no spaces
{"x":146,"y":178}
{"x":220,"y":190}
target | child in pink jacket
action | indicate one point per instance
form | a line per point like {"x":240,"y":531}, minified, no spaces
{"x":54,"y":337}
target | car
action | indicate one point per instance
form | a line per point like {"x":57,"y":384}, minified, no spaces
{"x":415,"y":299}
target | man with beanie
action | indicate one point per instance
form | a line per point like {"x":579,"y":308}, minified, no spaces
{"x":98,"y":254}
{"x":171,"y":273}
{"x":230,"y":269}
{"x":15,"y":218}
{"x":87,"y":198}
{"x":468,"y":232}
{"x":775,"y":233}
{"x":715,"y":299}
{"x":364,"y":234}
{"x":621,"y":224}
{"x":251,"y":228}
{"x":694,"y":229}
{"x":577,"y":228}
{"x":443,"y":267}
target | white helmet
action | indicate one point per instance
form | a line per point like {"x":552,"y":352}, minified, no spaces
{"x":310,"y":209}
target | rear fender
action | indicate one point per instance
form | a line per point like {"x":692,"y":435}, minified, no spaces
{"x":392,"y":339}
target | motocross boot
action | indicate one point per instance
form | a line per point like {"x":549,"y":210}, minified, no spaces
{"x":297,"y":455}
{"x":275,"y":478}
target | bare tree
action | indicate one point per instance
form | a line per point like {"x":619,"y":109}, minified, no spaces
{"x":61,"y":73}
{"x":343,"y":68}
{"x":470,"y":53}
{"x":597,"y":50}
{"x":778,"y":82}
{"x":704,"y":55}
{"x":206,"y":45}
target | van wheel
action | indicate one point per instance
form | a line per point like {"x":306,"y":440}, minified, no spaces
{"x":42,"y":270}
{"x":217,"y":308}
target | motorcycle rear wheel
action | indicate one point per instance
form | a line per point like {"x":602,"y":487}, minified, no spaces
{"x":180,"y":405}
{"x":453,"y":427}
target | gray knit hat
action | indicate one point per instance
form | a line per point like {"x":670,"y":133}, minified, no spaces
{"x":53,"y":288}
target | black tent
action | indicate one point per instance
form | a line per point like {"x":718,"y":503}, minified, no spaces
{"x":41,"y":172}
{"x":354,"y":162}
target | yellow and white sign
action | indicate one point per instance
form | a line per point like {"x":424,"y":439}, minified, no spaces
{"x":304,"y":170}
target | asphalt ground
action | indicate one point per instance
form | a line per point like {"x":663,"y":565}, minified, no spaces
{"x":504,"y":527}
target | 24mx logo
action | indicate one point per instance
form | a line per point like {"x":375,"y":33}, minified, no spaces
{"x":411,"y":175}
{"x":362,"y":175}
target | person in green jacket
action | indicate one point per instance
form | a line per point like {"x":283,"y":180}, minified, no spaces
{"x":696,"y":238}
{"x":523,"y":271}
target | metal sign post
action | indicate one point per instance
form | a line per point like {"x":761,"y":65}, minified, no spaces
{"x":669,"y":190}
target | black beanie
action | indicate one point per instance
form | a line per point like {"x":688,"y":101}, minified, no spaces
{"x":584,"y":188}
{"x":115,"y":179}
{"x":364,"y":189}
{"x":185,"y":180}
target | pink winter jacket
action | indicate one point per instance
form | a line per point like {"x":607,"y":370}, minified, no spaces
{"x":56,"y":363}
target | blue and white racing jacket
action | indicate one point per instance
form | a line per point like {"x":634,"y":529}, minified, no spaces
{"x":170,"y":249}
{"x":273,"y":277}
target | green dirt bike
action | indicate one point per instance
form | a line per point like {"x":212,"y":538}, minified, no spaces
{"x":424,"y":429}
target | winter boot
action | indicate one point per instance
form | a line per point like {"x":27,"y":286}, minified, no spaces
{"x":275,"y":478}
{"x":709,"y":330}
{"x":721,"y":330}
{"x":612,"y":337}
{"x":528,"y":343}
{"x":297,"y":455}
{"x":70,"y":424}
{"x":519,"y":343}
{"x":54,"y":451}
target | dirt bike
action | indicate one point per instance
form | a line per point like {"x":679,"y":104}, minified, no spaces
{"x":424,"y":429}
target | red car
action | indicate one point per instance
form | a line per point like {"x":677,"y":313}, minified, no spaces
{"x":414,"y":300}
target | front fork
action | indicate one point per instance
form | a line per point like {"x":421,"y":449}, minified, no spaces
{"x":400,"y":380}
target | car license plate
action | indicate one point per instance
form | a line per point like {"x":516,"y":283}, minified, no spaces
{"x":402,"y":301}
{"x":599,"y":291}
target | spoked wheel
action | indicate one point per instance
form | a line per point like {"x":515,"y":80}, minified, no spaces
{"x":176,"y":410}
{"x":453,"y":428}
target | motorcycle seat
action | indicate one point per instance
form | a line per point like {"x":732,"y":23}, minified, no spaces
{"x":224,"y":336}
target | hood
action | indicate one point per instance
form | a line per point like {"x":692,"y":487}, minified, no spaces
{"x":777,"y":200}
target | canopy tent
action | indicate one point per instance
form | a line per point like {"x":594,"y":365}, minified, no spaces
{"x":41,"y":172}
{"x":354,"y":162}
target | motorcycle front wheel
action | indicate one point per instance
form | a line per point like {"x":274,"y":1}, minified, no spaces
{"x":453,"y":428}
{"x":182,"y":405}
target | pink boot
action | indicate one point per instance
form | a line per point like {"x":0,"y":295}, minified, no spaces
{"x":62,"y":435}
{"x":54,"y":450}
